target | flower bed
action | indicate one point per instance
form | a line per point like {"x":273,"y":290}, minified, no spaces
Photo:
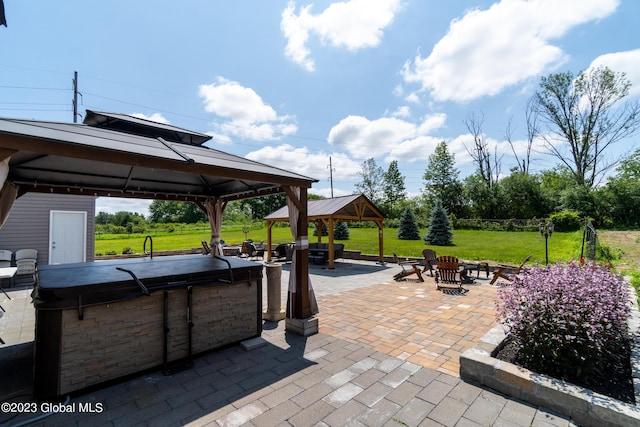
{"x":558,"y":312}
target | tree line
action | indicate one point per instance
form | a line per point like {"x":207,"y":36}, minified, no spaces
{"x":576,"y":117}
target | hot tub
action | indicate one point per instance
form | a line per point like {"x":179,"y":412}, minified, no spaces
{"x":99,"y":321}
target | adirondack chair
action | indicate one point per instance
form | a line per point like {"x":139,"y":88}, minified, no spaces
{"x":429,"y":260}
{"x":507,"y":272}
{"x":408,"y":268}
{"x":449,"y":273}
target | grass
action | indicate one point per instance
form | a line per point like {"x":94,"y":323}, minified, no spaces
{"x":497,"y":246}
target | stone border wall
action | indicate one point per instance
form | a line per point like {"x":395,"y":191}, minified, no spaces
{"x":584,"y":406}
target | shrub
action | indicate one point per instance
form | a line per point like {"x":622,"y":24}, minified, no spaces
{"x":566,"y":221}
{"x":127,"y":250}
{"x":566,"y":318}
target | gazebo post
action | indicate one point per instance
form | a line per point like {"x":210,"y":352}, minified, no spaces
{"x":269,"y":226}
{"x":302,"y":320}
{"x":380,"y":242}
{"x":331,"y":253}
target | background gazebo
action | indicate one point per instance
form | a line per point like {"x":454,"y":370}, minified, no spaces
{"x":328,"y":212}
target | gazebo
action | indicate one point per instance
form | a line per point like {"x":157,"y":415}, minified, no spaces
{"x":328,"y":212}
{"x":116,"y":155}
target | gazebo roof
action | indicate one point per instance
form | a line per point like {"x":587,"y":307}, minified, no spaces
{"x":84,"y":159}
{"x":356,"y":207}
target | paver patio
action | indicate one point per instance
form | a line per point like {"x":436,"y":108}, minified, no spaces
{"x":386,"y":354}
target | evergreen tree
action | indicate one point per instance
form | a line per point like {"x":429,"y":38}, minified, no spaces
{"x":442,"y":181}
{"x":439,"y":232}
{"x":408,"y":229}
{"x":394,"y":192}
{"x":341,"y":231}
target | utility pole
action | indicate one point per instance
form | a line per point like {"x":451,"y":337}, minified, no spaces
{"x":331,"y":176}
{"x":75,"y":97}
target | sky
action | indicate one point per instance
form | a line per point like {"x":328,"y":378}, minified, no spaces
{"x":304,"y":85}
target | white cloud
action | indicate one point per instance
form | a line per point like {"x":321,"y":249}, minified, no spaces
{"x":247,"y":114}
{"x":487,"y":51}
{"x":353,"y":25}
{"x":399,"y":139}
{"x":155,"y":117}
{"x":403,"y":111}
{"x":627,"y":62}
{"x":304,"y":162}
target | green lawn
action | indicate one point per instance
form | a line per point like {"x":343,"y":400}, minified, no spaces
{"x":497,"y":246}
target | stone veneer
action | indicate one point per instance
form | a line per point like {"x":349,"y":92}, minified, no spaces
{"x":115,"y":340}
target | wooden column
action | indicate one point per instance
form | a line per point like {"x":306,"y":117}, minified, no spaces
{"x":330,"y":255}
{"x":302,"y":308}
{"x":380,"y":242}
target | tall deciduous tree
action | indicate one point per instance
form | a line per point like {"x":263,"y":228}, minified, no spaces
{"x":583,"y":117}
{"x":393,"y":191}
{"x":487,"y":163}
{"x":372,"y":177}
{"x":442,"y":182}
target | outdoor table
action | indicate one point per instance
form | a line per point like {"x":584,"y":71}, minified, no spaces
{"x":7,"y":273}
{"x":472,"y":265}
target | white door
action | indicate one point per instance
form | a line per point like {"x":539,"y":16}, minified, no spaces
{"x":67,"y":237}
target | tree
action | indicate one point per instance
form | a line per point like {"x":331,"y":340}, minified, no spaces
{"x":341,"y":231}
{"x":393,"y":191}
{"x":622,"y":194}
{"x":408,"y":228}
{"x":487,"y":164}
{"x":439,"y":232}
{"x":372,"y":177}
{"x":523,"y":157}
{"x":581,"y":120}
{"x":172,"y":211}
{"x":522,"y":196}
{"x":442,"y":182}
{"x":483,"y":201}
{"x":260,"y":207}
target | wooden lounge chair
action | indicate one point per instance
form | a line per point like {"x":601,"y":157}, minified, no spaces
{"x":507,"y":272}
{"x":429,"y":260}
{"x":408,"y":268}
{"x":449,"y":273}
{"x":206,"y":248}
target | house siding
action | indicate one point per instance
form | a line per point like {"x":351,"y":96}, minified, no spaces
{"x":28,"y":224}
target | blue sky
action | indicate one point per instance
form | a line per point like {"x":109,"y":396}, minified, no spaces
{"x":294,"y":83}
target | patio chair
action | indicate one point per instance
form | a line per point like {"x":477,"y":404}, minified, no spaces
{"x":449,"y":273}
{"x":429,"y":260}
{"x":508,"y":272}
{"x":27,"y":262}
{"x":6,"y":258}
{"x":206,"y":248}
{"x":408,"y":268}
{"x":249,"y":251}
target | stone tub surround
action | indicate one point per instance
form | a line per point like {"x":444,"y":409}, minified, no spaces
{"x":584,"y":406}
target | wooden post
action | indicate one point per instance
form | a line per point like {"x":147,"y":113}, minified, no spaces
{"x":302,"y":309}
{"x":331,"y":254}
{"x":380,"y":242}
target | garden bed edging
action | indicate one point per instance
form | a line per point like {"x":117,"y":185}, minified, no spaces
{"x":584,"y":406}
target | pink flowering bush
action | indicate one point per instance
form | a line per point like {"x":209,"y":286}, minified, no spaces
{"x":566,"y":318}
